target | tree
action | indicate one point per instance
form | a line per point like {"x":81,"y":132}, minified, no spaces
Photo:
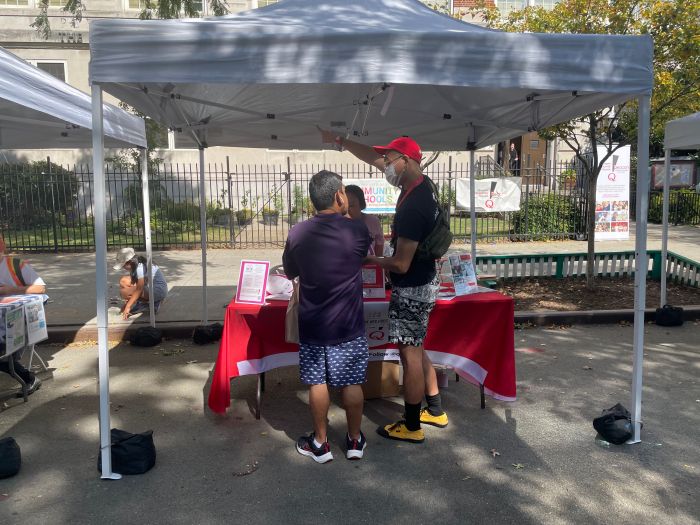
{"x":151,"y":9}
{"x":674,"y":26}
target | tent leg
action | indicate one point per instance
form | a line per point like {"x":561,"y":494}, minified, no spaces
{"x":147,"y":233}
{"x":641,"y":263}
{"x":203,"y":219}
{"x":472,"y":204}
{"x":101,"y":280}
{"x":664,"y":225}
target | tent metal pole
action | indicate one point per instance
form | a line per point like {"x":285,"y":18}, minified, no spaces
{"x":664,"y":225}
{"x":472,"y":204}
{"x":641,"y":263}
{"x":203,"y":220}
{"x":146,"y":198}
{"x":98,"y":169}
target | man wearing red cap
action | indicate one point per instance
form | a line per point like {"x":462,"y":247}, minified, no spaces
{"x":414,"y":279}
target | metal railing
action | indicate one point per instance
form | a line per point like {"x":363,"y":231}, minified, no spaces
{"x":46,"y":207}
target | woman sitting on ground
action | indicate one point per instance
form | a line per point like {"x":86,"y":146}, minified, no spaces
{"x":357,"y":203}
{"x":134,"y":287}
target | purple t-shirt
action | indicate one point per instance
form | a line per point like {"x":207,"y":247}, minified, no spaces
{"x":326,"y":252}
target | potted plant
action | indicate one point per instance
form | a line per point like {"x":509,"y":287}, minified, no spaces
{"x":297,"y":208}
{"x":244,"y":215}
{"x":567,"y":178}
{"x":271,"y":214}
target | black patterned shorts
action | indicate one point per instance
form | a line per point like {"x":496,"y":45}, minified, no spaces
{"x":338,"y":365}
{"x":409,"y":311}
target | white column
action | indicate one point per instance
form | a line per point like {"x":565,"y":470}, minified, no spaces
{"x":641,"y":263}
{"x":101,"y":280}
{"x":664,"y":225}
{"x":472,"y":204}
{"x":146,"y":198}
{"x":203,"y":222}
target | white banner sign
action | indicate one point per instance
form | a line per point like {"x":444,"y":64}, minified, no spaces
{"x":612,"y":198}
{"x":501,"y":194}
{"x":380,"y":196}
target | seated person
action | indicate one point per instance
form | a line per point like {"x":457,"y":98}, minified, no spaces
{"x":134,"y":287}
{"x":17,"y":277}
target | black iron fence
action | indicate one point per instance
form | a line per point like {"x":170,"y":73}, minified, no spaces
{"x":46,"y":207}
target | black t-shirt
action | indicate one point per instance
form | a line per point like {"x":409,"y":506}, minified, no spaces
{"x":414,"y":220}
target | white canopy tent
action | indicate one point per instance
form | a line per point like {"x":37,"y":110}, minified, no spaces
{"x":682,"y":133}
{"x":371,"y":70}
{"x":39,"y":111}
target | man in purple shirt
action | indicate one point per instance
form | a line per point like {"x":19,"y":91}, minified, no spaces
{"x":326,"y":253}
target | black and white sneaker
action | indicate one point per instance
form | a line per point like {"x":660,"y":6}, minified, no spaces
{"x":355,"y":447}
{"x":306,"y":447}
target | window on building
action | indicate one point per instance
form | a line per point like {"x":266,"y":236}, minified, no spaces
{"x":14,"y":3}
{"x":56,"y":69}
{"x":58,"y":3}
{"x":263,"y":3}
{"x":140,"y":5}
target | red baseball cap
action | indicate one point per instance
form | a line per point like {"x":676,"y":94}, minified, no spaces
{"x":404,"y":145}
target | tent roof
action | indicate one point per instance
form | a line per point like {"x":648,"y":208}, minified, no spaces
{"x":683,"y":133}
{"x":37,"y":110}
{"x":374,"y":69}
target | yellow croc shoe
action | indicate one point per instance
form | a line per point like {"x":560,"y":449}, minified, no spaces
{"x":399,"y":432}
{"x":429,"y":419}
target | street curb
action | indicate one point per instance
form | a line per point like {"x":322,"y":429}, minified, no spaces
{"x":690,"y":313}
{"x":183,"y":329}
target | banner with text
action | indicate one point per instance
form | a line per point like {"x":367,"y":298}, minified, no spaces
{"x":501,"y":194}
{"x":612,"y":197}
{"x":380,"y":196}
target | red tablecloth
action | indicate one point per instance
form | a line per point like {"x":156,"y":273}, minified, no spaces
{"x":474,"y":334}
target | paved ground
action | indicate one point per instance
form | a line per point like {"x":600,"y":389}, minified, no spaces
{"x":549,"y":470}
{"x":70,"y":277}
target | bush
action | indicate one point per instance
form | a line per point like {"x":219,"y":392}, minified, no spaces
{"x":182,"y":211}
{"x":548,"y":217}
{"x":683,"y":207}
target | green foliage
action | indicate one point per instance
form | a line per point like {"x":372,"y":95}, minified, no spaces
{"x":46,"y":194}
{"x":448,"y":195}
{"x":546,"y":215}
{"x":297,"y":200}
{"x":683,"y":206}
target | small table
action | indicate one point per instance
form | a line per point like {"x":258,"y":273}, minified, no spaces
{"x":473,"y":334}
{"x":24,"y":323}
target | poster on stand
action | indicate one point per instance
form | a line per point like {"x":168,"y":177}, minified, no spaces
{"x":380,"y":196}
{"x":252,"y":282}
{"x":463,"y":274}
{"x":13,"y":324}
{"x":612,"y":198}
{"x":36,"y":322}
{"x":373,"y":282}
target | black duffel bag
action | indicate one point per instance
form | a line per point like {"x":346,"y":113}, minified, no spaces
{"x":669,"y":316}
{"x":614,"y":424}
{"x":146,"y":336}
{"x":131,"y":453}
{"x":205,"y":334}
{"x":10,"y":457}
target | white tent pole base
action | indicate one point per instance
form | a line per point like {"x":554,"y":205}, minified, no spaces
{"x":101,"y":280}
{"x":641,"y":264}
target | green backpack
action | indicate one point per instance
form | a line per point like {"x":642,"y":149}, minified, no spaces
{"x":438,"y":241}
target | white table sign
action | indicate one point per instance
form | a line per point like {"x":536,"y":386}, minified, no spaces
{"x":36,"y":322}
{"x":14,"y":328}
{"x":252,"y":282}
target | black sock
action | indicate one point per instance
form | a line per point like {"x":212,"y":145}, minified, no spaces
{"x":412,"y":416}
{"x":434,"y":404}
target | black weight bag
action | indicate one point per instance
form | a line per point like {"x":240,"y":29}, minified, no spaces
{"x":205,"y":334}
{"x":131,"y":453}
{"x":669,"y":316}
{"x":10,"y":457}
{"x":146,"y":336}
{"x":614,"y":424}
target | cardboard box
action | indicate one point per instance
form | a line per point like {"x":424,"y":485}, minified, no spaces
{"x":382,"y":380}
